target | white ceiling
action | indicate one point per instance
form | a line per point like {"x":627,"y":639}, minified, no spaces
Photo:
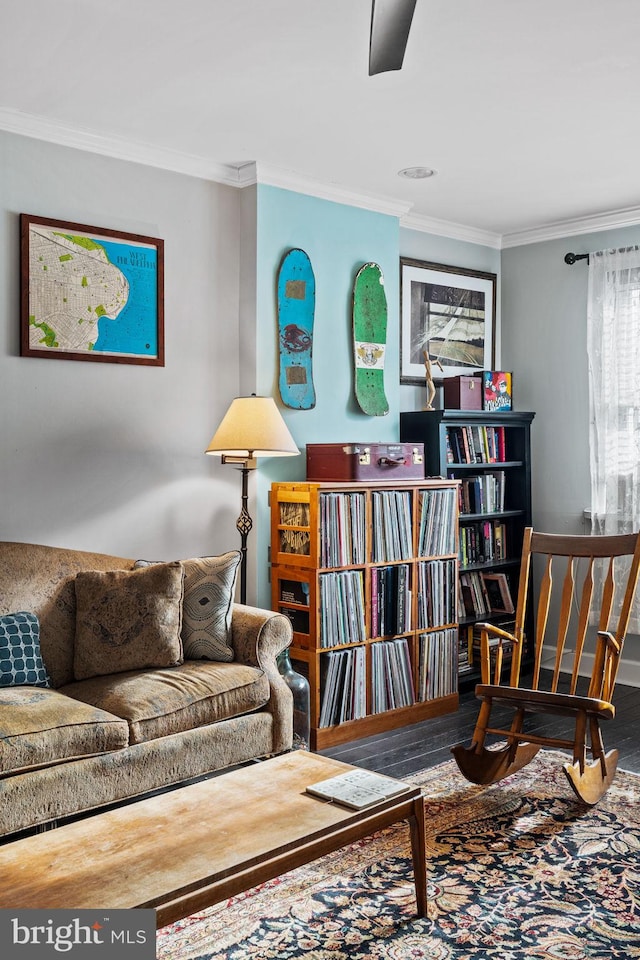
{"x":527,"y":109}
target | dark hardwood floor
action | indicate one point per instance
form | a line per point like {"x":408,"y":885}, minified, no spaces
{"x":407,"y":750}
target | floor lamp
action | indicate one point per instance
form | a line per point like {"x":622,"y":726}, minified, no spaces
{"x":252,"y":427}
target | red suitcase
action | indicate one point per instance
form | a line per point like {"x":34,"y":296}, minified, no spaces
{"x":365,"y":461}
{"x":463,"y":393}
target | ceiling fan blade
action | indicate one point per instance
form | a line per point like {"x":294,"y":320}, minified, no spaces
{"x":390,"y":25}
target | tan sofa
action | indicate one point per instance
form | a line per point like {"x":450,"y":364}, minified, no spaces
{"x":81,"y":744}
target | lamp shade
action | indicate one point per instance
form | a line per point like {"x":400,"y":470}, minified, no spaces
{"x":253,"y":427}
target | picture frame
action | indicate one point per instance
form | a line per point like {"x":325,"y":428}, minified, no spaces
{"x":90,"y":293}
{"x":450,"y":312}
{"x":498,"y":592}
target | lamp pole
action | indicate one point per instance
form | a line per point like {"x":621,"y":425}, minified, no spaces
{"x":244,"y":524}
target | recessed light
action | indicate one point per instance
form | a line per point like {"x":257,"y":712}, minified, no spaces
{"x":416,"y":173}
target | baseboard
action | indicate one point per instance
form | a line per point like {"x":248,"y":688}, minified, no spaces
{"x":628,"y":674}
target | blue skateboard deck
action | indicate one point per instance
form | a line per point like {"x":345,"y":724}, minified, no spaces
{"x":296,"y":309}
{"x":370,"y":339}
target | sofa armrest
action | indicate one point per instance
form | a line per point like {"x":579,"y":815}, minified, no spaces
{"x":258,"y":637}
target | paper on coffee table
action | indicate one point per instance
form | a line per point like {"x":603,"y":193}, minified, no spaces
{"x":357,"y":789}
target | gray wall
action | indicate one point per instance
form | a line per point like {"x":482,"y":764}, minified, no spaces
{"x":109,"y":457}
{"x":454,"y":253}
{"x":544,"y":342}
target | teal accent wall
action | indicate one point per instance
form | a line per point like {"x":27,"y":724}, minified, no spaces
{"x":339,"y":239}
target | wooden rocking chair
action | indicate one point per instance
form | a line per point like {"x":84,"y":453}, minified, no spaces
{"x":589,"y":780}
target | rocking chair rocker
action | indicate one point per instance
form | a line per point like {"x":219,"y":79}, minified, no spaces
{"x":589,"y":780}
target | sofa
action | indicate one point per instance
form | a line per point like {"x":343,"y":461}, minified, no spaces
{"x":119,"y":677}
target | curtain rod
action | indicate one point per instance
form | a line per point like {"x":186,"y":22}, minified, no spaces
{"x":571,"y":258}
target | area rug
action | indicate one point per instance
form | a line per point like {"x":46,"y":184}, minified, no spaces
{"x":519,"y":869}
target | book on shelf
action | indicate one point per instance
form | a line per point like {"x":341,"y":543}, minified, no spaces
{"x":390,"y":600}
{"x":391,"y":525}
{"x":437,"y":593}
{"x":482,"y":542}
{"x":341,"y":607}
{"x":294,"y":514}
{"x":295,"y":542}
{"x":475,"y":599}
{"x":465,"y":650}
{"x":391,"y":675}
{"x":357,"y":789}
{"x":343,"y":686}
{"x":497,"y":390}
{"x":494,"y":642}
{"x":437,"y":522}
{"x":342,"y":537}
{"x":299,"y":619}
{"x":294,"y":591}
{"x":475,"y":444}
{"x":483,"y":493}
{"x":497,"y":590}
{"x":438,"y":664}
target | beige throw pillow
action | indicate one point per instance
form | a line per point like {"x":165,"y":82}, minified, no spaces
{"x":209,"y":586}
{"x":128,"y":620}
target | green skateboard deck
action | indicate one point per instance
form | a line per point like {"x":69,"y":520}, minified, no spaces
{"x":296,"y":308}
{"x":370,"y":339}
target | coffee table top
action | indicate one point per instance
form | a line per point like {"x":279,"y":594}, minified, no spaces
{"x":145,"y":853}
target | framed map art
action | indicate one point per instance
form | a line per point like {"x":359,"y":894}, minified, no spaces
{"x":90,"y":293}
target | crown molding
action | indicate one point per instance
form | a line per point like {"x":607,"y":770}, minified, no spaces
{"x":245,"y":174}
{"x":231,"y":174}
{"x":453,"y":231}
{"x":614,"y":219}
{"x":268,"y":175}
{"x":40,"y":128}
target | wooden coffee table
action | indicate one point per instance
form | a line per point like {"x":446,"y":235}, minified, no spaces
{"x":182,"y":851}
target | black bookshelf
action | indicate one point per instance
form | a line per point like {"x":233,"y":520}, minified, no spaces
{"x":486,"y":452}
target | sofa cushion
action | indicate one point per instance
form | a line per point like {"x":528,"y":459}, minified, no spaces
{"x":209,"y":585}
{"x":128,"y":620}
{"x":20,"y":658}
{"x":157,"y":703}
{"x":39,"y":727}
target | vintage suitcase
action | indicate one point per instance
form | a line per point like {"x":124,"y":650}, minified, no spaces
{"x":462,"y":393}
{"x":365,"y":461}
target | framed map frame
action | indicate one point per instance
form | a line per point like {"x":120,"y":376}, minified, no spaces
{"x":90,"y":293}
{"x":449,"y":313}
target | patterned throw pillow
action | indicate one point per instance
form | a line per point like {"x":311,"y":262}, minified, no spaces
{"x":209,"y":585}
{"x":128,"y":620}
{"x":21,"y":662}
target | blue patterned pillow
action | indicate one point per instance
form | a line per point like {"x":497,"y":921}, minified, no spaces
{"x":21,"y":662}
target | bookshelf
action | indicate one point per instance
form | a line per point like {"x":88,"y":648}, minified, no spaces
{"x":490,"y":455}
{"x":368,"y":574}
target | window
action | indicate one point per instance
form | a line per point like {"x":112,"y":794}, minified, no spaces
{"x":613,"y":346}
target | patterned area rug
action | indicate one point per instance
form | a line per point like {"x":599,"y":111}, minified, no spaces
{"x":519,"y":869}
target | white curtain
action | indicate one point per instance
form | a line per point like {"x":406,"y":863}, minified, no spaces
{"x":613,"y":347}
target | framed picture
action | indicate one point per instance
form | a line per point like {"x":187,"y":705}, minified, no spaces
{"x":498,"y":593}
{"x":448,"y":316}
{"x":89,"y":293}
